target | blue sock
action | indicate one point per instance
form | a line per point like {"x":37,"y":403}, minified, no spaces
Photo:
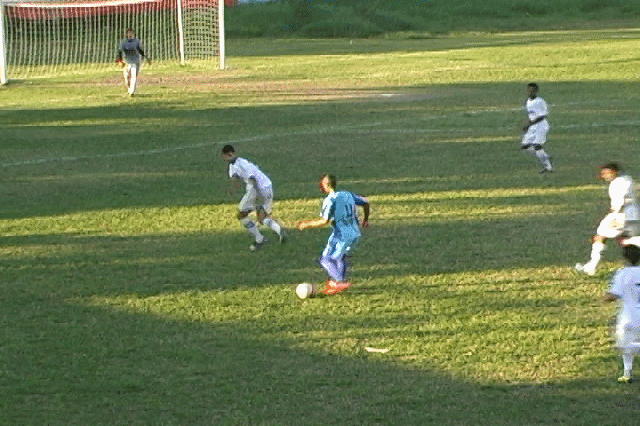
{"x":334,"y":268}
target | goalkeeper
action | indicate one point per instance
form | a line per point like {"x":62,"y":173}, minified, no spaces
{"x":130,"y":56}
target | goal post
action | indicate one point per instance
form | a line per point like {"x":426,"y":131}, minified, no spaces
{"x":3,"y":47}
{"x":43,"y":38}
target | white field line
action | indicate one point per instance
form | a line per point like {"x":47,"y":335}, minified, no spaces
{"x":359,"y":129}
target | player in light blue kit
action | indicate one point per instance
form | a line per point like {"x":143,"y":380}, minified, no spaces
{"x":130,"y":55}
{"x":339,"y":209}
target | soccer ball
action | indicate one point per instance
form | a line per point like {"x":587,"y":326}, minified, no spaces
{"x":304,"y":290}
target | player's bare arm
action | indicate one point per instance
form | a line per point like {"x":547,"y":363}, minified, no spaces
{"x":313,"y":223}
{"x":365,"y":219}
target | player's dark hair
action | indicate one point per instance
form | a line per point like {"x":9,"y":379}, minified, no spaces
{"x":631,"y":253}
{"x":611,"y":166}
{"x":228,"y":149}
{"x":533,"y":86}
{"x":333,"y":181}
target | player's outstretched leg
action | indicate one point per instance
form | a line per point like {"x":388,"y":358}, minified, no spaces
{"x":276,"y":227}
{"x":543,"y":158}
{"x":589,"y":268}
{"x":545,"y":161}
{"x":252,"y":229}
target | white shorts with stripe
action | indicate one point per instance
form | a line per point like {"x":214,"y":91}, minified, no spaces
{"x":614,"y":225}
{"x":257,"y":200}
{"x":536,"y":134}
{"x":627,"y":337}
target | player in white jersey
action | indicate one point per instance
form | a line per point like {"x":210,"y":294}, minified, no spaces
{"x":130,"y":56}
{"x":536,"y":128}
{"x":258,"y":196}
{"x":625,"y":287}
{"x":623,"y":219}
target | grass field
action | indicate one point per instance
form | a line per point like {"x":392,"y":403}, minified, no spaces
{"x":129,"y":296}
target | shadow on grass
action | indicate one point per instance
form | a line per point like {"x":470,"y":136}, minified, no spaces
{"x":67,"y":364}
{"x":211,"y":260}
{"x":59,"y":161}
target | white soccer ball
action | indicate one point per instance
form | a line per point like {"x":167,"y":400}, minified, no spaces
{"x":304,"y":290}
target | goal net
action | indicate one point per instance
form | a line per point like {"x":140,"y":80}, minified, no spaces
{"x":40,"y":38}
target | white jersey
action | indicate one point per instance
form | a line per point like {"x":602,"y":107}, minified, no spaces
{"x":623,"y":199}
{"x":244,"y":170}
{"x":536,"y":108}
{"x":626,"y":286}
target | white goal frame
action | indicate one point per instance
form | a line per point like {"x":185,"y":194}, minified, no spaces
{"x":190,"y":29}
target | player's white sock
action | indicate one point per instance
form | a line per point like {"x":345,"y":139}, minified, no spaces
{"x":132,"y":82}
{"x":634,"y":241}
{"x":274,"y":225}
{"x":543,"y":158}
{"x":252,"y":229}
{"x":627,"y":362}
{"x":596,"y":253}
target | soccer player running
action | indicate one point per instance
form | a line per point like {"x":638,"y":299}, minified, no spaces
{"x":536,"y":128}
{"x":258,"y":196}
{"x":130,"y":55}
{"x":339,"y":210}
{"x":625,"y":287}
{"x":621,"y":222}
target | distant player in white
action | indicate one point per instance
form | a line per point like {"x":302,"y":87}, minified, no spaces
{"x":130,"y":55}
{"x":623,"y":219}
{"x":258,"y":196}
{"x":625,"y":287}
{"x":536,"y":128}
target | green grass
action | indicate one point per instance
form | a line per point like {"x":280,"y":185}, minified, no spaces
{"x":129,"y":296}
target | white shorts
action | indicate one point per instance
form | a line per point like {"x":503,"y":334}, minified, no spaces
{"x":536,"y":134}
{"x":133,"y":68}
{"x":627,"y":337}
{"x":254,"y":200}
{"x":614,"y":225}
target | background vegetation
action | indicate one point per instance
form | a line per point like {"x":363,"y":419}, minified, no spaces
{"x":357,"y":18}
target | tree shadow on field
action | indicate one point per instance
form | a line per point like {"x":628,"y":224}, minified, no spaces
{"x":447,"y":137}
{"x":213,"y":260}
{"x":66,"y":363}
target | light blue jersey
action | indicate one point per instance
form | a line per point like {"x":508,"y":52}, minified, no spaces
{"x":340,"y":209}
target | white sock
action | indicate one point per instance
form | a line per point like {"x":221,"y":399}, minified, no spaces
{"x":274,"y":225}
{"x":627,"y":362}
{"x":252,"y":229}
{"x":634,"y":241}
{"x":543,"y":158}
{"x":132,"y":82}
{"x":596,"y":253}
